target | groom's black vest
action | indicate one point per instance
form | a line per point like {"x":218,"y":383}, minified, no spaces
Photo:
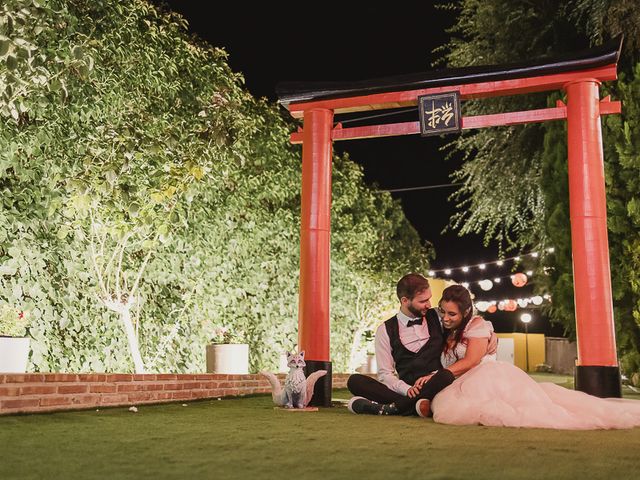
{"x":411,"y":366}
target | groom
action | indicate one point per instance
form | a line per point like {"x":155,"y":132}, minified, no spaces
{"x":408,"y":347}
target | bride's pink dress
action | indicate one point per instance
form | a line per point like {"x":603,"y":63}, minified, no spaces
{"x":500,"y":394}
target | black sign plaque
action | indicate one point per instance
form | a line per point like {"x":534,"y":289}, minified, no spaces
{"x":439,"y":113}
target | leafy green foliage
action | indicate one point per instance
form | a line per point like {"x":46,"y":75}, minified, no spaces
{"x":501,"y":197}
{"x":556,"y":274}
{"x":622,"y":174}
{"x":137,"y":172}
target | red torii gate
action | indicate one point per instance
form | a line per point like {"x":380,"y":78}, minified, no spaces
{"x":579,"y":75}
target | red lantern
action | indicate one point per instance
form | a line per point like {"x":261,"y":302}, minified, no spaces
{"x":492,"y":308}
{"x":510,"y":306}
{"x":519,"y":279}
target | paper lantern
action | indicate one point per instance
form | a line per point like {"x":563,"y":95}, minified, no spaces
{"x":510,"y":306}
{"x":523,"y":302}
{"x":537,"y":300}
{"x":491,"y":308}
{"x":519,"y":279}
{"x":486,"y":284}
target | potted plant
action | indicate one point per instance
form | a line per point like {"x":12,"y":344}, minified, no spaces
{"x":369,"y":365}
{"x":226,"y":352}
{"x":14,"y":344}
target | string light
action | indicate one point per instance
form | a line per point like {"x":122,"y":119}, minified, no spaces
{"x":487,"y":284}
{"x":508,"y":304}
{"x":483,"y":266}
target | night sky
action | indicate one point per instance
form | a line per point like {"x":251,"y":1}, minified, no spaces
{"x":270,"y":42}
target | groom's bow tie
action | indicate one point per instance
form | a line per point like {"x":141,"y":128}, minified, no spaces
{"x":417,"y":321}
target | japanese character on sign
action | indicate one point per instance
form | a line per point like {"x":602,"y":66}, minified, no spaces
{"x":439,"y":113}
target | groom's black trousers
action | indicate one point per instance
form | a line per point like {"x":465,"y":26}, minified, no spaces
{"x":367,"y":387}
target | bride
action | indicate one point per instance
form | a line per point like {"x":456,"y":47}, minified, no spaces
{"x":488,"y":392}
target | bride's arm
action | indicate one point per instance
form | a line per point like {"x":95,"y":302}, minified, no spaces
{"x":476,"y":349}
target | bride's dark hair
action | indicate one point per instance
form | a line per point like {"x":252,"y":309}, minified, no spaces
{"x":462,"y":298}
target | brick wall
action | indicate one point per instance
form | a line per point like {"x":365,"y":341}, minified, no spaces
{"x":48,"y":392}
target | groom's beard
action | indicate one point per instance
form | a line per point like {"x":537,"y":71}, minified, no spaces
{"x":416,"y":311}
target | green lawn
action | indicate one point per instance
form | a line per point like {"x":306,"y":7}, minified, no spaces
{"x":247,"y":438}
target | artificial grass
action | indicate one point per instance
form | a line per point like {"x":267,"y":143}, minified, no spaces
{"x":247,"y":438}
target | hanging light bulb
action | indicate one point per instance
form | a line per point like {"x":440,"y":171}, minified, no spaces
{"x":431,"y":273}
{"x":551,"y":249}
{"x":465,"y":269}
{"x":482,"y":306}
{"x":482,"y":266}
{"x":529,"y":273}
{"x":499,"y":263}
{"x":516,"y":259}
{"x":447,"y":271}
{"x":497,"y":280}
{"x":534,"y":254}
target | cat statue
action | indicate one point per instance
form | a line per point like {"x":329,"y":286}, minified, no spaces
{"x":298,"y":389}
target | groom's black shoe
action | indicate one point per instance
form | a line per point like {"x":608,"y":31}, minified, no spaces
{"x":361,"y":405}
{"x":389,"y":409}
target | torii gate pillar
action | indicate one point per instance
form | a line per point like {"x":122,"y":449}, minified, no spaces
{"x":597,"y":370}
{"x":315,"y":230}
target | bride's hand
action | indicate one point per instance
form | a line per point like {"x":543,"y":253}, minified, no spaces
{"x":413,"y":392}
{"x":422,"y":380}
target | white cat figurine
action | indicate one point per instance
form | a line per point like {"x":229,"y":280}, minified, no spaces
{"x":298,"y":389}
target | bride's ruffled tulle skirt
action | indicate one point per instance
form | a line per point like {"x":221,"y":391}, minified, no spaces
{"x":500,"y":394}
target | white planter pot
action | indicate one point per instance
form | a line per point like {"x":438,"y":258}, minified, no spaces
{"x":14,"y":354}
{"x":228,"y":358}
{"x":369,"y":366}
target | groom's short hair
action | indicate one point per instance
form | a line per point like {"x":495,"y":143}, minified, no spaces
{"x":410,"y":285}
